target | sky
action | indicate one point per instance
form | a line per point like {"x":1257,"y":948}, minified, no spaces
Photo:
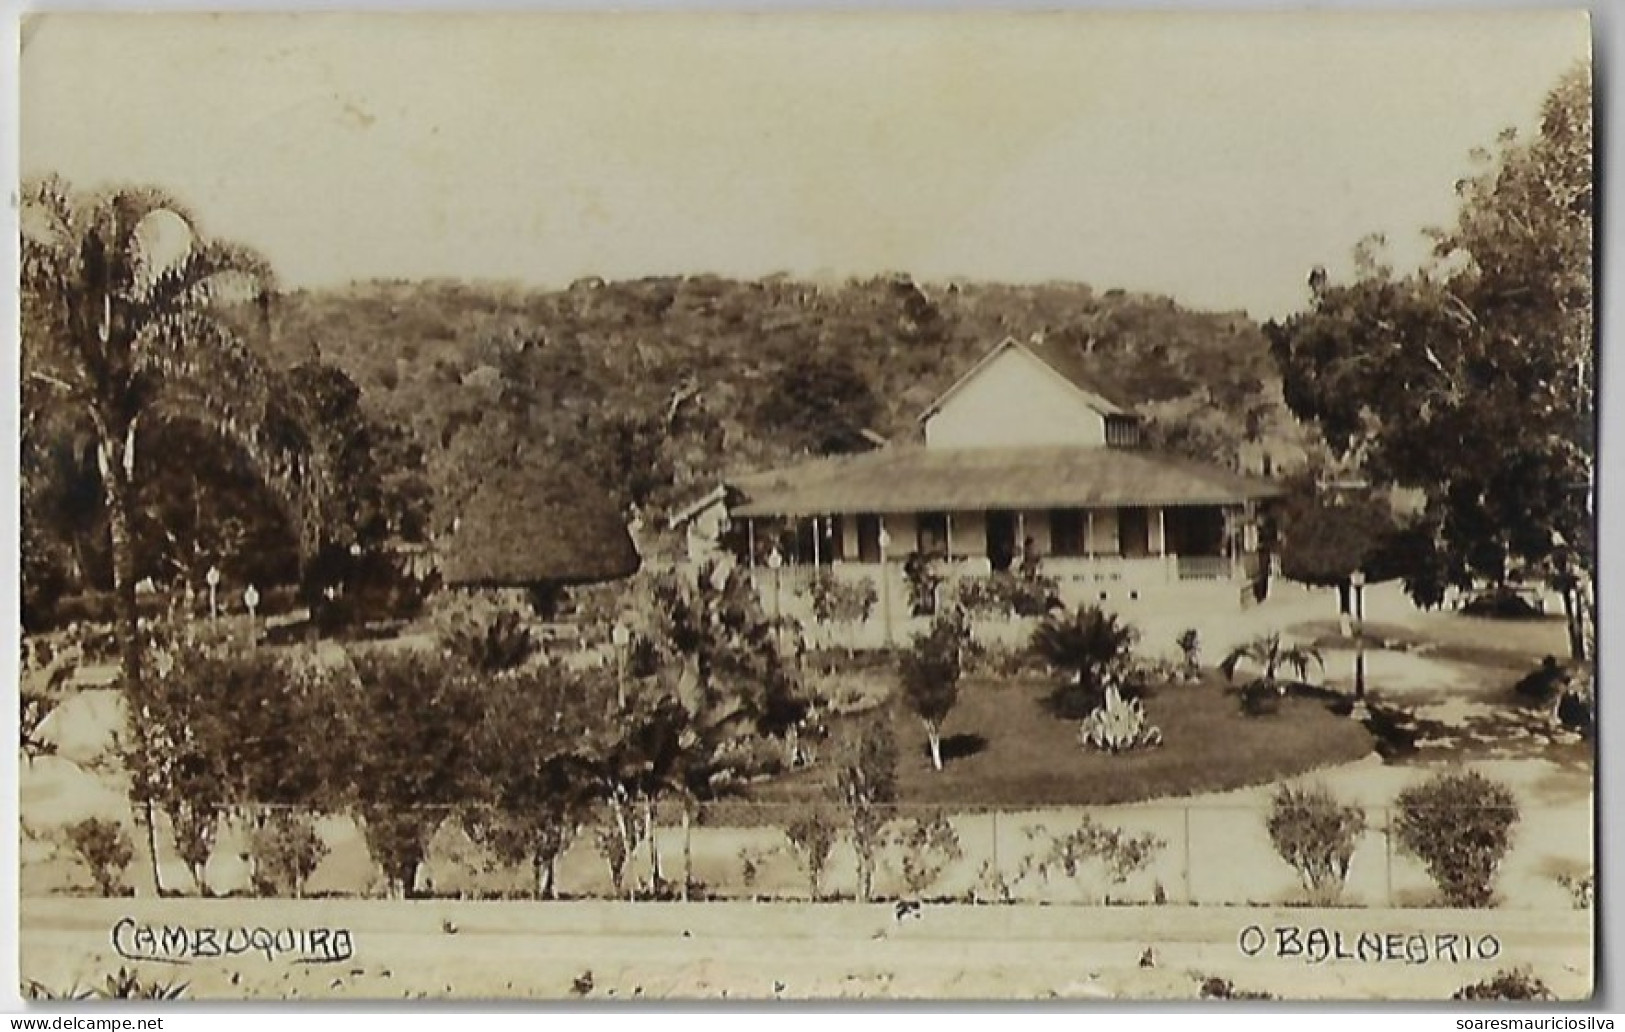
{"x":1214,"y":158}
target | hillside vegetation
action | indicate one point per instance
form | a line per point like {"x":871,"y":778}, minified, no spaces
{"x":659,"y":386}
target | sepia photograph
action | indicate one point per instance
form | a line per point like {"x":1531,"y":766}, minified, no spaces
{"x":926,"y":506}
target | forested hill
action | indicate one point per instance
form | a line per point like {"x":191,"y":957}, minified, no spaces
{"x":659,"y":386}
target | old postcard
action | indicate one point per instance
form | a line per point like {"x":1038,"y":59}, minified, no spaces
{"x":928,"y":506}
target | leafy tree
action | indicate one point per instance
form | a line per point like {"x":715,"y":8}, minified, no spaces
{"x":172,"y":745}
{"x":412,"y":726}
{"x":1472,"y":380}
{"x":930,"y":672}
{"x":812,"y":835}
{"x":536,"y":777}
{"x":131,"y":321}
{"x":821,"y":404}
{"x":721,"y":657}
{"x":1326,"y":538}
{"x":867,"y":783}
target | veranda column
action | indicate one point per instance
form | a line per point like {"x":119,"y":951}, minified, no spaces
{"x":1168,"y":559}
{"x":1089,"y":541}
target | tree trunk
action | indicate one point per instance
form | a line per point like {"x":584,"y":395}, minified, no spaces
{"x":688,"y":851}
{"x":152,"y":848}
{"x":934,"y":735}
{"x":116,"y":485}
{"x":623,"y":829}
{"x":544,"y":877}
{"x":1345,"y":609}
{"x":654,"y":852}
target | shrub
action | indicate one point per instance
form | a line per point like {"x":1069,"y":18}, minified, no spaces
{"x":1502,"y":604}
{"x":487,"y":641}
{"x":1119,"y":853}
{"x":1007,"y":594}
{"x":36,"y":706}
{"x":1118,"y":725}
{"x":923,"y":574}
{"x":104,"y":848}
{"x":1090,"y":646}
{"x":1517,"y":984}
{"x":841,"y":601}
{"x":812,"y":836}
{"x":1316,"y":835}
{"x":926,"y":846}
{"x":1460,"y":827}
{"x":1190,"y":654}
{"x":1582,"y":889}
{"x":286,"y":850}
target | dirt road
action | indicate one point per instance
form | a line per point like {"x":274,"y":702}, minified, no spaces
{"x":741,"y":950}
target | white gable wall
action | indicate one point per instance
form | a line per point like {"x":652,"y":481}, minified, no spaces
{"x":1014,"y":401}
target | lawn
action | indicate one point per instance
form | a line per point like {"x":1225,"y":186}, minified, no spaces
{"x":1006,"y":749}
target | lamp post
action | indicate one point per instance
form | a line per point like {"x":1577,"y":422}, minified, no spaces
{"x":621,"y":636}
{"x":1357,"y":582}
{"x":774,"y":562}
{"x":251,"y":602}
{"x":212,"y":579}
{"x":885,"y":585}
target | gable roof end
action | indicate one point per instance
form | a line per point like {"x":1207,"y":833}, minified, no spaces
{"x":1070,"y":377}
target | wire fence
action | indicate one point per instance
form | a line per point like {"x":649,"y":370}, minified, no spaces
{"x":747,"y":851}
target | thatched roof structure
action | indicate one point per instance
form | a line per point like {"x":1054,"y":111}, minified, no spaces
{"x":526,"y":527}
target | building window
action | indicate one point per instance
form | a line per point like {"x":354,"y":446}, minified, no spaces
{"x":1067,"y":532}
{"x":931,"y":537}
{"x":1122,"y":431}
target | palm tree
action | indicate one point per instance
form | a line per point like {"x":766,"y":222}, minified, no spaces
{"x":129,"y":319}
{"x":1089,"y":645}
{"x":1269,"y":654}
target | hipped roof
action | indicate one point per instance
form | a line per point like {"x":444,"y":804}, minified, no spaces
{"x":531,"y":527}
{"x":899,"y":480}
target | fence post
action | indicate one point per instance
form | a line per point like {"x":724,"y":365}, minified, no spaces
{"x":1388,"y":853}
{"x":998,"y":875}
{"x":1190,"y":891}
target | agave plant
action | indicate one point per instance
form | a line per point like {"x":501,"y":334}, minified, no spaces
{"x":1119,"y":725}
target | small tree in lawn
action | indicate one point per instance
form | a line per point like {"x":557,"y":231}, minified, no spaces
{"x":930,"y":674}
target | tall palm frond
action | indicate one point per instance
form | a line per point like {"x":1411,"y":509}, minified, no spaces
{"x":131,"y":315}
